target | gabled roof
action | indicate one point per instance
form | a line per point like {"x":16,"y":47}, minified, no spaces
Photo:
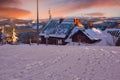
{"x":75,"y":30}
{"x":91,"y":34}
{"x":113,"y":31}
{"x":54,"y":29}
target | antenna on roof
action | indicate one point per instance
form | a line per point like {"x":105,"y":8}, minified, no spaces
{"x":49,"y":12}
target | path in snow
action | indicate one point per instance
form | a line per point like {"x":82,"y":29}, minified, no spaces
{"x":24,"y":62}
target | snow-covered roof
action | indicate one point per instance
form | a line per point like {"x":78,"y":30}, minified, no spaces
{"x":57,"y":30}
{"x":91,"y":34}
{"x":113,"y":29}
{"x":75,"y":29}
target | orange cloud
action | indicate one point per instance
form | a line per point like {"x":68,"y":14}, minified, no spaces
{"x":13,"y":12}
{"x":58,"y":7}
{"x":7,"y":9}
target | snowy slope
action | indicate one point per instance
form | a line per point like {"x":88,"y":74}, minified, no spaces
{"x":24,"y":62}
{"x":35,"y":26}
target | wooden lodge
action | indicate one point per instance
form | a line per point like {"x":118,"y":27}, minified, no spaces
{"x":57,"y":32}
{"x":84,"y":35}
{"x":81,"y":37}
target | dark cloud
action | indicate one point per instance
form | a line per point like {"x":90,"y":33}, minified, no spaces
{"x":9,"y":2}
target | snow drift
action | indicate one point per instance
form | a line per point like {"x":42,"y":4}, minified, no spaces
{"x":24,"y":62}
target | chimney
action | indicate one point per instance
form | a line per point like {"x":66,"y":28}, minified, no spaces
{"x":0,"y":29}
{"x":61,"y":20}
{"x":76,"y":21}
{"x":90,"y":24}
{"x":104,"y":27}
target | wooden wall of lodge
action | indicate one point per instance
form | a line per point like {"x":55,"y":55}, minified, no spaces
{"x":80,"y":37}
{"x":53,"y":40}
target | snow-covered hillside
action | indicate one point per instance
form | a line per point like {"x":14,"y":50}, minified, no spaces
{"x":24,"y":62}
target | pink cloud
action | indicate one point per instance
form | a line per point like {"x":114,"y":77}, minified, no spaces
{"x":68,"y":6}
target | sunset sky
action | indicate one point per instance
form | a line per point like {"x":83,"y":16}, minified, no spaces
{"x":26,"y":9}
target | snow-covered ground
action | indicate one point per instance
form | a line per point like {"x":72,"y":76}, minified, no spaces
{"x":24,"y":62}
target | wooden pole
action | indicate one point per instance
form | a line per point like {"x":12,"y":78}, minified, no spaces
{"x":37,"y":21}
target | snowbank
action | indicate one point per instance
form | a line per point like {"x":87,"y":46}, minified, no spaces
{"x":106,"y":38}
{"x":24,"y":62}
